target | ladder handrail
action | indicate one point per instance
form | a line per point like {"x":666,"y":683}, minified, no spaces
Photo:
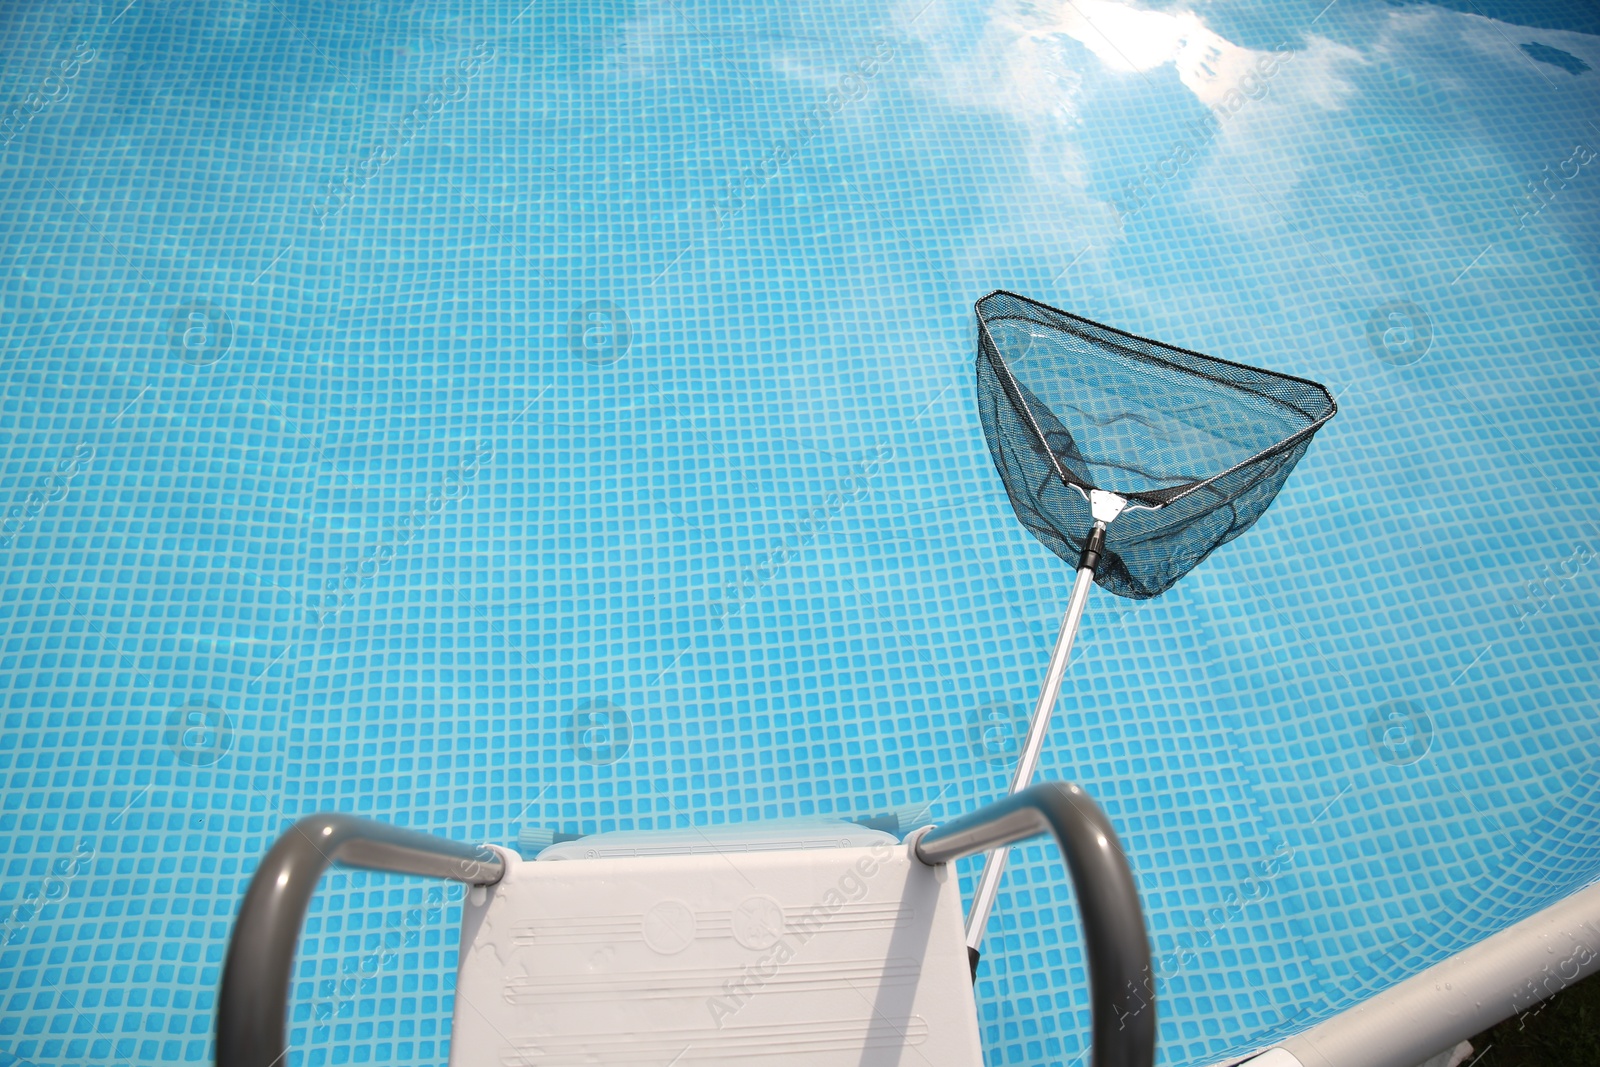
{"x":1121,"y":981}
{"x":254,"y":1000}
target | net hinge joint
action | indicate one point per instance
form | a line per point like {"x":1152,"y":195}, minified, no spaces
{"x":1105,"y":506}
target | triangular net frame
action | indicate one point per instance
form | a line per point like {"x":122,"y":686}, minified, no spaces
{"x":1198,"y":446}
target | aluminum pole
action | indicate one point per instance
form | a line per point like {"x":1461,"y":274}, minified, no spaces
{"x":1028,"y":762}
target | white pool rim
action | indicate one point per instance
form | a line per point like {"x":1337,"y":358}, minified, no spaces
{"x":1435,"y":1009}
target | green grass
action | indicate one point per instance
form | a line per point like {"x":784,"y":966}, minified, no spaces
{"x":1563,"y":1031}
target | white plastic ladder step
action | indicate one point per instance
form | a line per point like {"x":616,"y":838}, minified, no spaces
{"x":815,"y":957}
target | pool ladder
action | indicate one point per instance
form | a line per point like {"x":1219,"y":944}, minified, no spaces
{"x":743,"y":952}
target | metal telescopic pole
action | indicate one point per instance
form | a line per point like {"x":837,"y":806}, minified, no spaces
{"x":1106,"y":508}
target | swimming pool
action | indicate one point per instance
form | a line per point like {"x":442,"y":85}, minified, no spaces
{"x":556,"y":416}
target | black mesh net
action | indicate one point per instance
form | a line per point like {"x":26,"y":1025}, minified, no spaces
{"x":1197,"y":446}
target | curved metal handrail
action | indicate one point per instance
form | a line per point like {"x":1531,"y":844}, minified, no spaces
{"x":254,"y":1000}
{"x":1121,"y":981}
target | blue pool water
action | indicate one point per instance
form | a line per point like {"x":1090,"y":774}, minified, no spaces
{"x":558,"y":415}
